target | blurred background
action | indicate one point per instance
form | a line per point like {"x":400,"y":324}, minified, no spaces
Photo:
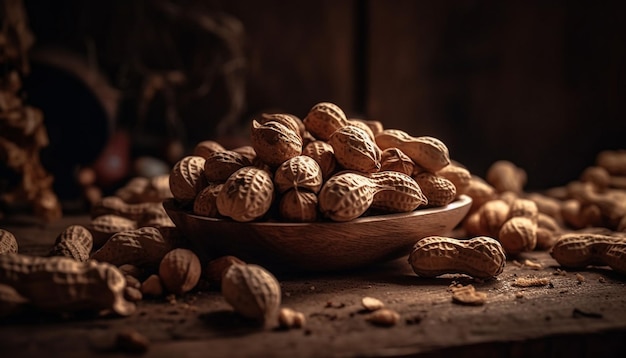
{"x":540,"y":83}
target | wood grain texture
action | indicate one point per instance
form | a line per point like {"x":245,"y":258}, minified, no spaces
{"x":320,"y":246}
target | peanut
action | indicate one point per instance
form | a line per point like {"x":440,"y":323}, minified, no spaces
{"x":570,"y":211}
{"x":438,"y":190}
{"x":546,"y":205}
{"x":215,"y":269}
{"x":300,"y":172}
{"x":299,"y":206}
{"x":324,"y":155}
{"x":64,"y":285}
{"x":247,"y":151}
{"x":374,"y":126}
{"x":524,"y":207}
{"x":8,"y":244}
{"x":480,"y":257}
{"x":288,"y":318}
{"x":218,"y":166}
{"x":579,"y":250}
{"x":324,"y":119}
{"x":205,"y":203}
{"x":247,"y":194}
{"x":346,"y":196}
{"x":180,"y":271}
{"x":112,"y":205}
{"x":393,"y":159}
{"x":493,"y":214}
{"x":503,"y":175}
{"x":397,"y":192}
{"x":145,"y":246}
{"x":274,"y":143}
{"x":355,"y":150}
{"x":152,"y":286}
{"x":363,"y":126}
{"x":614,"y":161}
{"x":104,"y":226}
{"x":427,"y":152}
{"x":288,"y":120}
{"x":458,"y":175}
{"x":384,"y":317}
{"x":480,"y":192}
{"x":518,"y":234}
{"x":187,"y":178}
{"x":204,"y":148}
{"x":252,"y":291}
{"x":474,"y":226}
{"x":598,"y":176}
{"x":371,"y":303}
{"x":74,"y":242}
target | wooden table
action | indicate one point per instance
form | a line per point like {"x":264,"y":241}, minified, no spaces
{"x":572,"y":316}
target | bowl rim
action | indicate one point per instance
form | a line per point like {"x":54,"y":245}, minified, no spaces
{"x":461,"y":201}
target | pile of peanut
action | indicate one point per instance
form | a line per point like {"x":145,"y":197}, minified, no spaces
{"x":325,"y":166}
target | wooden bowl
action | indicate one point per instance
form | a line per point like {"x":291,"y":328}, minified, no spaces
{"x":318,"y":246}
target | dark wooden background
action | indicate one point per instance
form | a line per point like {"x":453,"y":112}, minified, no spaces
{"x":540,"y":83}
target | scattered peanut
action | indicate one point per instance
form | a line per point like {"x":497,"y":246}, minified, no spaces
{"x":180,"y":271}
{"x":384,"y":317}
{"x":63,"y":284}
{"x":480,"y":257}
{"x":145,"y":246}
{"x":152,"y":286}
{"x":372,"y":304}
{"x":518,"y":234}
{"x":503,"y":175}
{"x":579,"y":250}
{"x":215,"y":269}
{"x":74,"y":242}
{"x":252,"y":291}
{"x":467,"y":295}
{"x":288,"y":318}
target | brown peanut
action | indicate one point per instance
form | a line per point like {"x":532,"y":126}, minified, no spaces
{"x":480,"y":257}
{"x":145,"y":246}
{"x":247,"y":151}
{"x":152,"y":286}
{"x":598,"y":176}
{"x":393,"y":159}
{"x":288,"y":318}
{"x":493,"y":214}
{"x":104,"y":226}
{"x":252,"y":291}
{"x":64,"y":285}
{"x":112,"y":205}
{"x":8,"y":244}
{"x":180,"y":271}
{"x":274,"y":143}
{"x":204,"y":148}
{"x":300,"y":172}
{"x":480,"y":192}
{"x":346,"y":196}
{"x":324,"y":155}
{"x":458,"y":175}
{"x":503,"y":175}
{"x":218,"y":166}
{"x":74,"y":242}
{"x":324,"y":119}
{"x":374,"y":126}
{"x":518,"y":234}
{"x":614,"y":161}
{"x":579,"y":250}
{"x":215,"y":269}
{"x":397,"y":192}
{"x":205,"y":203}
{"x":524,"y":207}
{"x":298,"y":206}
{"x":427,"y":152}
{"x":187,"y":178}
{"x":355,"y":150}
{"x":363,"y":126}
{"x":288,"y":120}
{"x":246,"y":195}
{"x":438,"y":190}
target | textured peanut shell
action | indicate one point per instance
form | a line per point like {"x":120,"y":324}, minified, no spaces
{"x":205,"y":203}
{"x":252,"y":291}
{"x":458,"y":175}
{"x":493,"y":214}
{"x":346,"y":196}
{"x":360,"y":124}
{"x":480,"y":192}
{"x":288,"y":120}
{"x":324,"y":155}
{"x":504,"y":175}
{"x":393,"y":159}
{"x":204,"y":148}
{"x":298,"y":206}
{"x":517,"y":235}
{"x":397,"y":192}
{"x":300,"y":172}
{"x":355,"y":150}
{"x":246,"y":195}
{"x":427,"y":152}
{"x":8,"y":244}
{"x":480,"y":257}
{"x":144,"y":246}
{"x":215,"y":269}
{"x":579,"y":250}
{"x":218,"y":166}
{"x":524,"y":207}
{"x":274,"y":143}
{"x":74,"y":242}
{"x":180,"y":271}
{"x":61,"y":284}
{"x":104,"y":226}
{"x":324,"y":119}
{"x":187,"y":178}
{"x":438,"y":190}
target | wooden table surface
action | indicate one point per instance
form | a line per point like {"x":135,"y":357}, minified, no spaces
{"x":573,"y":316}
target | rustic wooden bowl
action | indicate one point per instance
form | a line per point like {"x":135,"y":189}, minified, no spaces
{"x":318,"y":246}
